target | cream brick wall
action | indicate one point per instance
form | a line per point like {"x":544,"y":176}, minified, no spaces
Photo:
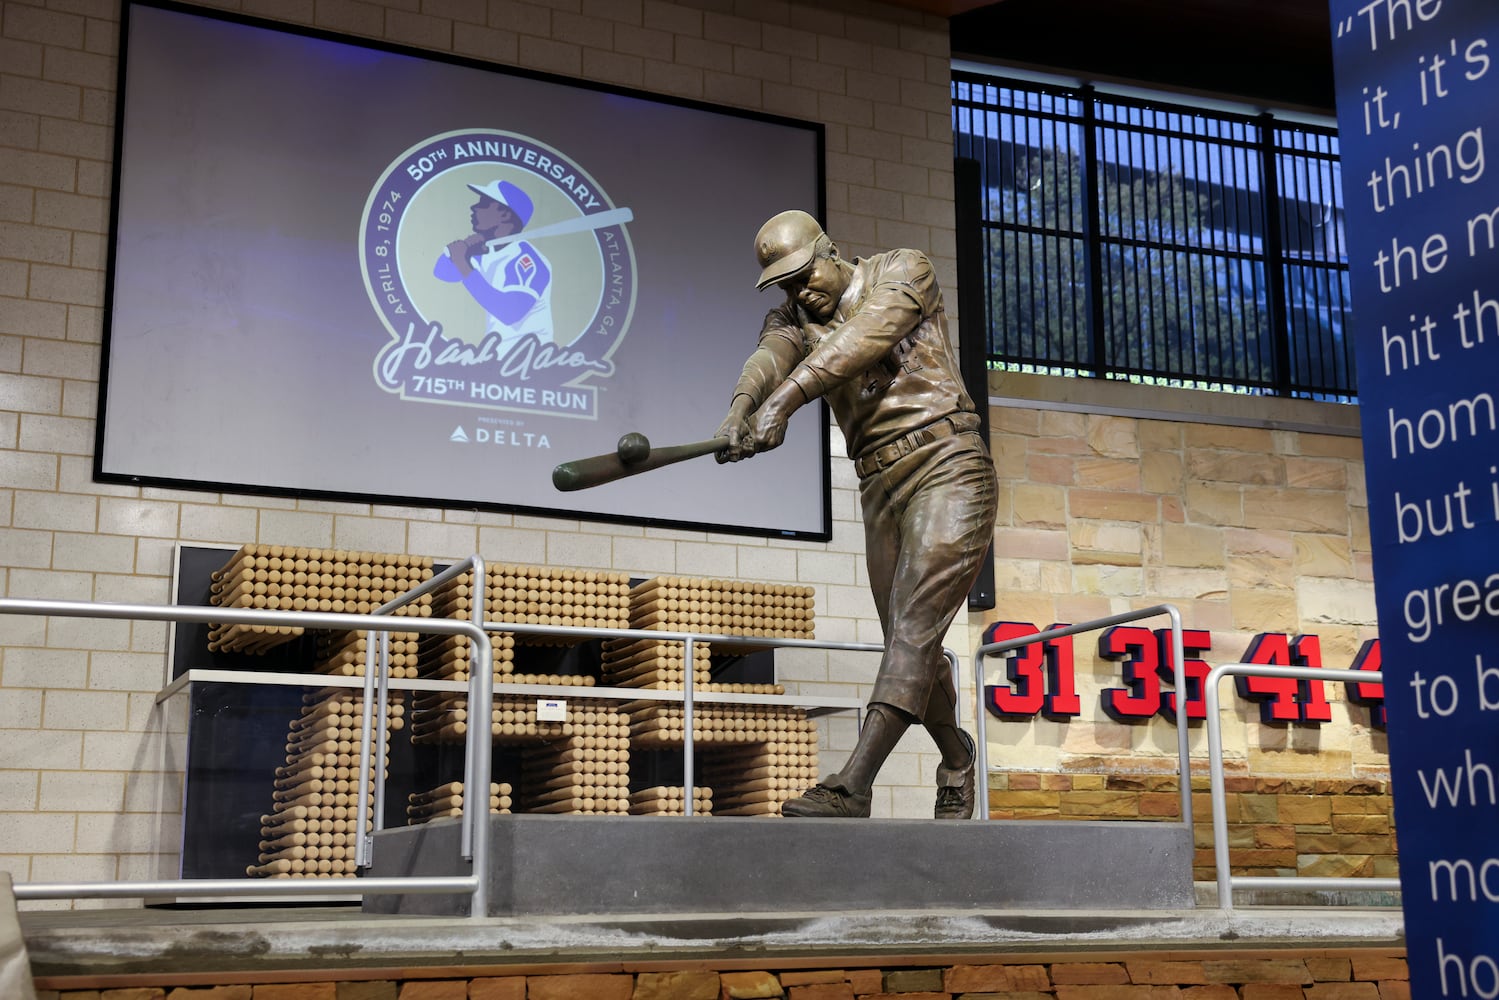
{"x":1249,"y":530}
{"x":76,"y":712}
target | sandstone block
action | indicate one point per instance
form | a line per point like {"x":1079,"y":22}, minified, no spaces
{"x":1059,"y":470}
{"x":1192,"y":545}
{"x":1212,"y":465}
{"x":1250,"y":439}
{"x":1161,"y":472}
{"x":1271,"y":991}
{"x":1214,"y":505}
{"x":823,"y":991}
{"x":1343,"y":991}
{"x":1118,"y":993}
{"x":671,"y":986}
{"x":514,"y":988}
{"x":995,"y":978}
{"x":384,"y":989}
{"x":913,"y":981}
{"x":1038,"y":506}
{"x":1379,"y":967}
{"x":1113,"y":505}
{"x":1089,"y":974}
{"x":435,"y":989}
{"x":1330,"y":970}
{"x":1150,"y":972}
{"x":296,"y":991}
{"x":748,"y":986}
{"x":809,"y":976}
{"x":581,"y":986}
{"x":1108,"y":473}
{"x":1316,"y":473}
{"x":1305,"y":810}
{"x":1115,"y":437}
{"x":1270,"y":970}
{"x":1296,"y":510}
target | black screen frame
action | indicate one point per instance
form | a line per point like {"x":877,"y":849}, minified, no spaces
{"x":415,"y":499}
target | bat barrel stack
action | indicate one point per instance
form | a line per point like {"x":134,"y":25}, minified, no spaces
{"x":311,"y":830}
{"x":584,"y":774}
{"x":750,"y":758}
{"x":754,"y":756}
{"x":297,"y":578}
{"x":446,"y":802}
{"x":670,"y":800}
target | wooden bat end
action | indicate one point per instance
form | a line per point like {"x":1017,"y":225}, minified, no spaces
{"x":565,"y":478}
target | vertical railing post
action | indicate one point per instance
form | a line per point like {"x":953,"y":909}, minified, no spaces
{"x":480,"y":743}
{"x":687,"y":723}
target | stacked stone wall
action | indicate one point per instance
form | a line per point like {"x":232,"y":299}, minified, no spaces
{"x":1307,"y":827}
{"x":1363,"y":974}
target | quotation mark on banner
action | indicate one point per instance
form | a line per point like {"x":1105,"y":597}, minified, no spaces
{"x":1345,"y":25}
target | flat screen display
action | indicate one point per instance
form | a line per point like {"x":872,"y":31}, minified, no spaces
{"x":359,"y":272}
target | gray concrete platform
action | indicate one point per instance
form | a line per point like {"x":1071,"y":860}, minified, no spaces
{"x":576,"y":865}
{"x":585,"y":894}
{"x":123,"y":941}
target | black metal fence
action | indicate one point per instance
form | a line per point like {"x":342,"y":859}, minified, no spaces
{"x":1137,"y":240}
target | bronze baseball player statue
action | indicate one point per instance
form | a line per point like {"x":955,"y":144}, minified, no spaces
{"x":870,"y":336}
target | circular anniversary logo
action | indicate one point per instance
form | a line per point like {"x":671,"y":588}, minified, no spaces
{"x":502,"y":271}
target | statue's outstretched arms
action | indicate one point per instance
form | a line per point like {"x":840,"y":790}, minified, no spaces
{"x":766,"y":368}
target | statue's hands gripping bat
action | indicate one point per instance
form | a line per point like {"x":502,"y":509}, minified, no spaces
{"x":632,"y":456}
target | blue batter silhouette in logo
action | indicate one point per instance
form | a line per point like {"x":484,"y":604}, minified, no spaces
{"x":503,"y":272}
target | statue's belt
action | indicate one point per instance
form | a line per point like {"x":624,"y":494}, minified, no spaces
{"x":886,"y":455}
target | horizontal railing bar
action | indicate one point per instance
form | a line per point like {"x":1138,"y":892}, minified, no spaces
{"x":1349,"y":882}
{"x":245,"y":887}
{"x":276,"y":678}
{"x":589,"y":632}
{"x":273,"y":679}
{"x":1094,"y":625}
{"x":208,"y":614}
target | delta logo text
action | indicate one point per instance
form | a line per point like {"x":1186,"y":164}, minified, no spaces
{"x":502,"y":272}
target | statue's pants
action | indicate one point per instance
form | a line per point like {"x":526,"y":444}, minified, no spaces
{"x":928,"y":522}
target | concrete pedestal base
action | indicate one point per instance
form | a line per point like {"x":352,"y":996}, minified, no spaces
{"x":586,"y":865}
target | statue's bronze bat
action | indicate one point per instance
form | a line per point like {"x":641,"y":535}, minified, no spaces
{"x":633,"y":456}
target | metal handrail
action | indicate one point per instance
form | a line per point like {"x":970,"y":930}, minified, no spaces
{"x":481,"y":683}
{"x":1223,"y":874}
{"x":1179,"y":676}
{"x":474,"y":842}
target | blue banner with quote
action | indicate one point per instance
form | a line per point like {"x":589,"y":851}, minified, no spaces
{"x":1418,"y":100}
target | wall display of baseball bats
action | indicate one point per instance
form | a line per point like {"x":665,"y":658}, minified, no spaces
{"x":475,"y":302}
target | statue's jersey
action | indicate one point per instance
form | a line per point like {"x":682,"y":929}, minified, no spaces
{"x":884,"y":361}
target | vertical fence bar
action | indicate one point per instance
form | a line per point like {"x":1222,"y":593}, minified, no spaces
{"x":382,"y":736}
{"x":362,"y":842}
{"x":687,"y":723}
{"x":1093,"y":235}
